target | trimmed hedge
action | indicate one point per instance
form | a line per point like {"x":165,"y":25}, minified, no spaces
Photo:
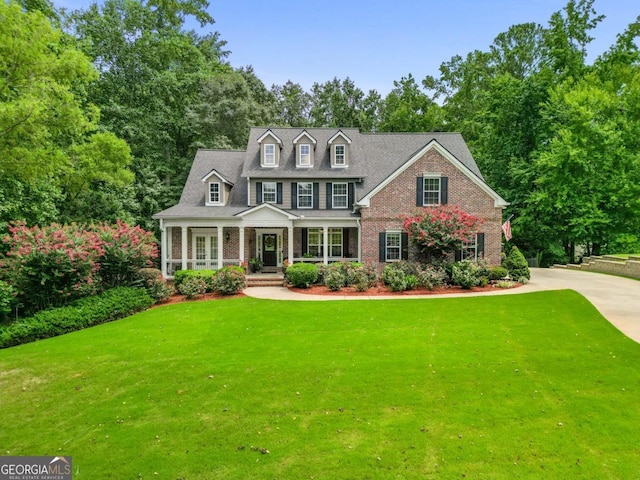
{"x":111,"y":305}
{"x":302,"y":275}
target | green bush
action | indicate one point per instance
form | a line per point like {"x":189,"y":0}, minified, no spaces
{"x":192,"y":286}
{"x":302,"y":275}
{"x":207,"y":275}
{"x":432,"y":276}
{"x":394,"y":277}
{"x":7,"y":297}
{"x":465,"y":274}
{"x":516,"y":265}
{"x":411,"y":281}
{"x":335,"y":279}
{"x":152,"y":281}
{"x":362,"y":281}
{"x":111,"y":305}
{"x":229,"y":280}
{"x":497,"y":272}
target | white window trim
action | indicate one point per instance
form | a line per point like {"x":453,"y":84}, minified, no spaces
{"x":220,"y":200}
{"x":431,"y":177}
{"x":211,"y":250}
{"x":386,"y":245}
{"x":264,"y":155}
{"x":320,"y":247}
{"x":344,"y":156}
{"x":345,"y":196}
{"x":275,"y":192}
{"x":470,"y":246}
{"x":300,"y":162}
{"x":310,"y":195}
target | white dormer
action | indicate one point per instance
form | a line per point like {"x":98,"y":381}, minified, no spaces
{"x":217,"y":189}
{"x":305,"y":146}
{"x":338,"y":145}
{"x":270,"y":146}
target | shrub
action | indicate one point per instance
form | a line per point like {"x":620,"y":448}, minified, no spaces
{"x":192,"y":286}
{"x":497,"y":272}
{"x":335,"y":279}
{"x":516,"y":264}
{"x":302,"y":275}
{"x":152,"y":281}
{"x":432,"y":276}
{"x":465,"y":274}
{"x":111,"y":305}
{"x":411,"y":282}
{"x":6,"y":298}
{"x":206,"y":274}
{"x":126,"y":249}
{"x":361,"y":280}
{"x":394,"y":278}
{"x":229,"y":280}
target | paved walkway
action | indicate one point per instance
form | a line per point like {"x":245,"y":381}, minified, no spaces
{"x":616,"y":298}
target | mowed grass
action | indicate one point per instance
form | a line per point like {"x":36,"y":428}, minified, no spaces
{"x":520,"y":386}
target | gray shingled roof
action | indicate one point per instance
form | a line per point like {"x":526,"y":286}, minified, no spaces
{"x":372,"y":158}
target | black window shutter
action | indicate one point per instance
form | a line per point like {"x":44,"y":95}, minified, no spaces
{"x":294,"y":195}
{"x":480,"y":244}
{"x":458,"y":255}
{"x":382,"y":242}
{"x":305,"y":242}
{"x":404,"y":245}
{"x":316,"y":196}
{"x":279,"y":192}
{"x":329,"y":195}
{"x":352,"y":194}
{"x":419,"y":192}
{"x":444,"y":190}
{"x":345,"y":242}
{"x":258,"y":192}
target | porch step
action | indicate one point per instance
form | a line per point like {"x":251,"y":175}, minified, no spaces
{"x":265,"y":280}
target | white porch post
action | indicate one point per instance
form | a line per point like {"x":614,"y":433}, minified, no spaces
{"x":241,"y":231}
{"x":220,"y":247}
{"x":184,"y":247}
{"x":325,"y":243}
{"x":290,"y":244}
{"x":359,"y":242}
{"x":164,"y":247}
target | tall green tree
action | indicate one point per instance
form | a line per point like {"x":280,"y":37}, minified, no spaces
{"x":407,"y":108}
{"x":292,"y":104}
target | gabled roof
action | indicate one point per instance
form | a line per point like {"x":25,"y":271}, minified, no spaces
{"x":267,"y":133}
{"x":259,"y":209}
{"x":435,"y":145}
{"x":339,"y":133}
{"x":217,"y":174}
{"x":303,"y":134}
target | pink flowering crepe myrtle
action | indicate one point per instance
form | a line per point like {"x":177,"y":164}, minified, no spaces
{"x":437,"y":231}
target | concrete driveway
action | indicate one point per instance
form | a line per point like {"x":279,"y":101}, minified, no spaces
{"x":616,"y":298}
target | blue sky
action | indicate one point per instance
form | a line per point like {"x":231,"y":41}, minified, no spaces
{"x":375,"y":42}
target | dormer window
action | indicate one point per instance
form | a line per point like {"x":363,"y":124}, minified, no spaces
{"x":305,"y":155}
{"x":270,"y":146}
{"x":339,"y":155}
{"x":269,"y":154}
{"x":215,"y":196}
{"x":339,"y":149}
{"x":304,"y":145}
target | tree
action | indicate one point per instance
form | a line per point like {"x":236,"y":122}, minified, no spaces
{"x":292,"y":104}
{"x":408,"y":109}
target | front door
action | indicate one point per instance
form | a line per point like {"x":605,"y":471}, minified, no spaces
{"x":269,"y":247}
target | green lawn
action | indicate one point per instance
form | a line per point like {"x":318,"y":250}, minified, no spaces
{"x":520,"y":386}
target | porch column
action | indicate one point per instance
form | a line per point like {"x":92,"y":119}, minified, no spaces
{"x":220,"y":247}
{"x":241,"y":234}
{"x":164,"y":249}
{"x":325,"y":243}
{"x":359,"y":242}
{"x":184,"y":247}
{"x":290,"y":244}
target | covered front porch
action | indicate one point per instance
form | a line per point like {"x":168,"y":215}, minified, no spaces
{"x":269,"y":235}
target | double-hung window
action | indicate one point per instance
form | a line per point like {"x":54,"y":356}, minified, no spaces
{"x":305,"y":195}
{"x":393,"y":246}
{"x":339,"y":155}
{"x":214,"y":193}
{"x":335,"y":242}
{"x":431,"y":191}
{"x":305,"y":155}
{"x":315,"y":240}
{"x":470,"y":249}
{"x":339,"y":195}
{"x":269,"y":192}
{"x":270,"y":154}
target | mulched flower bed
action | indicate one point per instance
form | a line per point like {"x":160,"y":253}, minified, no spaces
{"x":382,"y":290}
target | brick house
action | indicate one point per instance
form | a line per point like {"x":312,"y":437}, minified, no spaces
{"x":322,"y":194}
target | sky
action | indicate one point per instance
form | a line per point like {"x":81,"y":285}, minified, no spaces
{"x":374,"y":42}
